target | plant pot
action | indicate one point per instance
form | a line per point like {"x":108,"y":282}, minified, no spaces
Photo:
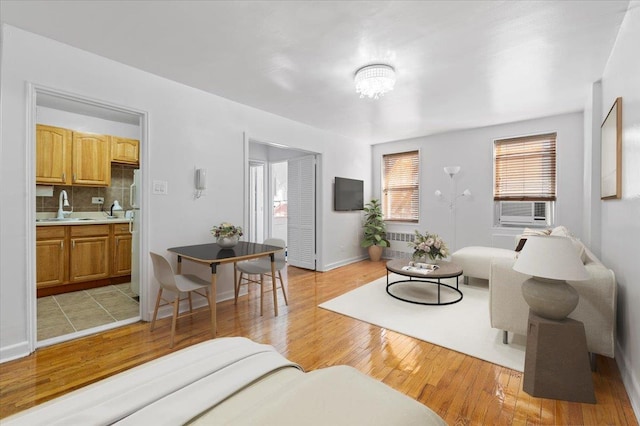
{"x":228,"y":242}
{"x":375,"y":253}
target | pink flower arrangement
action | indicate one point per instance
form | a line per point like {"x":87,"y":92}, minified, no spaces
{"x":430,"y":245}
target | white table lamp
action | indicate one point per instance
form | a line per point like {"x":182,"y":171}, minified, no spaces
{"x":551,"y":260}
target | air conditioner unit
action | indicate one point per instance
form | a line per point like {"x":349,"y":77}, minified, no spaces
{"x":524,"y":212}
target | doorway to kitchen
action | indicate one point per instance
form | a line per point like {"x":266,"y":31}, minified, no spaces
{"x":88,"y":217}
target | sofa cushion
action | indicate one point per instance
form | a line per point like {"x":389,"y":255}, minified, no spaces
{"x":476,"y":261}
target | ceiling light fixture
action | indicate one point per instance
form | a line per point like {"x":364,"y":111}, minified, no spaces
{"x":374,"y":81}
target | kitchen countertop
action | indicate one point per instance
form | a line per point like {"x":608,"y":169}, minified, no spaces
{"x":79,"y":218}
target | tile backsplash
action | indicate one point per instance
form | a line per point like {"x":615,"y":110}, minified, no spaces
{"x":80,"y":196}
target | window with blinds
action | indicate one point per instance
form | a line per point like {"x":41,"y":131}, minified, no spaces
{"x":525,"y":168}
{"x":400,"y":188}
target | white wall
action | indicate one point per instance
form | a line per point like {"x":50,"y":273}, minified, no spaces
{"x":472,"y":150}
{"x":85,"y":123}
{"x":620,"y":226}
{"x":187,"y":127}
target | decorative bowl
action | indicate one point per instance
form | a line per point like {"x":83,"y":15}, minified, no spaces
{"x":228,"y":242}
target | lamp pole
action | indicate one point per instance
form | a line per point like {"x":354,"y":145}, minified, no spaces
{"x":452,"y":171}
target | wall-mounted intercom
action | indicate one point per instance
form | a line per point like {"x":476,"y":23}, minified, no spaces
{"x":200,"y":181}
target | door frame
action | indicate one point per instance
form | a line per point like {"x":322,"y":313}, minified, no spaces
{"x":247,"y":139}
{"x":32,"y":90}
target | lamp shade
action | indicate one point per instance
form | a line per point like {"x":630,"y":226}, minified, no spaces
{"x":451,"y":170}
{"x":551,"y":257}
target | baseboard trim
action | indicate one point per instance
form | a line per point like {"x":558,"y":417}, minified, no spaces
{"x":631,"y":383}
{"x":343,"y":262}
{"x":19,"y":350}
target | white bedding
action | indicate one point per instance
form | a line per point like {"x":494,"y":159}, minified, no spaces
{"x":167,"y":391}
{"x":230,"y":381}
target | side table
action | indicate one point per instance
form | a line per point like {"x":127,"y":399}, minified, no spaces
{"x":556,"y":363}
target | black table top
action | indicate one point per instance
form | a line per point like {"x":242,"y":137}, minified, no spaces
{"x":213,"y":253}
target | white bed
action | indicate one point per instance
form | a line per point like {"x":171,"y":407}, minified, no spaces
{"x":230,"y":381}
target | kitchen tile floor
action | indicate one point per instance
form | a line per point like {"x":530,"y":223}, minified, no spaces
{"x":70,"y":312}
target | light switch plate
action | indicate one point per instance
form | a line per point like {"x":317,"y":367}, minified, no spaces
{"x":97,"y":200}
{"x":160,"y":187}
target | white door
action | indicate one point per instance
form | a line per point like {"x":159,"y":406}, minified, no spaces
{"x":301,"y":212}
{"x":255,"y":232}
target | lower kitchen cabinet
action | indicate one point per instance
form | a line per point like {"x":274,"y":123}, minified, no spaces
{"x":51,"y":256}
{"x":121,"y":244}
{"x":75,"y":257}
{"x":89,"y":257}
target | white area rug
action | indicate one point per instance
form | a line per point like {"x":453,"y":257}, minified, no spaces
{"x":462,"y":327}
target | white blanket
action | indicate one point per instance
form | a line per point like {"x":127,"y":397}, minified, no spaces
{"x":168,"y":391}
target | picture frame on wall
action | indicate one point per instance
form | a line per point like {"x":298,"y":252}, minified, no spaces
{"x":611,"y":153}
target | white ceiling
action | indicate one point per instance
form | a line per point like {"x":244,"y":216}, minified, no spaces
{"x":460,"y":64}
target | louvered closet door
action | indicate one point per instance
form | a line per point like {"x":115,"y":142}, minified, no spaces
{"x":301,"y":212}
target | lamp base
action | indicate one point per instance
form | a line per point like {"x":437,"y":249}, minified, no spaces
{"x":551,"y":299}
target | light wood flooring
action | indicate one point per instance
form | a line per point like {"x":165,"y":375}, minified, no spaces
{"x":461,"y":389}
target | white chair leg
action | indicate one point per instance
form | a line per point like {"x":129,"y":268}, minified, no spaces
{"x":155,"y":311}
{"x":190,"y":302}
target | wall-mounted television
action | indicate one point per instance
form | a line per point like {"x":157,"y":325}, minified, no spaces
{"x":348,"y":194}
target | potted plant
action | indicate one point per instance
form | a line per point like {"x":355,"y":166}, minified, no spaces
{"x":227,"y":235}
{"x":375,"y":230}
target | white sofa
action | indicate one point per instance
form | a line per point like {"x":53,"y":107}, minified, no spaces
{"x":596,"y":307}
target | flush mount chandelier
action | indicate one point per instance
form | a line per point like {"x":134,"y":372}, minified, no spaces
{"x":374,"y":81}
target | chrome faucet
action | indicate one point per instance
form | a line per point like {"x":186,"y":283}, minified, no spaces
{"x":64,"y":201}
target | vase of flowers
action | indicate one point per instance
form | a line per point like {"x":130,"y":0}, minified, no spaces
{"x":428,"y":246}
{"x":227,"y":235}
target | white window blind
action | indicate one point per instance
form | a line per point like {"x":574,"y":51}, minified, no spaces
{"x":400,"y":188}
{"x":525,"y":168}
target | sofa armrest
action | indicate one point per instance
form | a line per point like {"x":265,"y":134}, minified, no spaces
{"x":596,"y":307}
{"x":507,"y":308}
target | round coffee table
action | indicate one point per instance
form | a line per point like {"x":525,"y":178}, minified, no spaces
{"x":444,"y":270}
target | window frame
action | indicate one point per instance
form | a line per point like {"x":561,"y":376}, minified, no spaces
{"x":415,"y":190}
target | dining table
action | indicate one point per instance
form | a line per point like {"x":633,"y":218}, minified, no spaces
{"x":213,"y":254}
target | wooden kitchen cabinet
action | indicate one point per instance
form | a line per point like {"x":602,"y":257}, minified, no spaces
{"x":124,"y":150}
{"x":53,"y":155}
{"x":52,"y":256}
{"x":121,"y":246}
{"x":89,"y":252}
{"x":77,"y":257}
{"x":91,"y":159}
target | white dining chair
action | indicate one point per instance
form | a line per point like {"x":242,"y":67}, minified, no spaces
{"x":262,"y":268}
{"x":175,"y":284}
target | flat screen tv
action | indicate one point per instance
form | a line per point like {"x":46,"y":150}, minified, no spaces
{"x":348,"y":195}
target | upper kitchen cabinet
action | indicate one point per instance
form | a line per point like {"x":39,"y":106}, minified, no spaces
{"x":125,"y":150}
{"x":53,"y":155}
{"x":91,"y":159}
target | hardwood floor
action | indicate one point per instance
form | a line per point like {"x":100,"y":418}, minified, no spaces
{"x":461,"y":389}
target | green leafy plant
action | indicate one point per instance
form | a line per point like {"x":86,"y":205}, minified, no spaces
{"x":375,"y":230}
{"x":225,"y":230}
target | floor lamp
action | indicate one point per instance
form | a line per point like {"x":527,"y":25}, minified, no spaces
{"x":452,"y":171}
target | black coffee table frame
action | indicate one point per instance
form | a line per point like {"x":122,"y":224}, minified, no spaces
{"x":445,"y":270}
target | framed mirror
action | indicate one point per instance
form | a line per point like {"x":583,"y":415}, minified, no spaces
{"x":611,"y":153}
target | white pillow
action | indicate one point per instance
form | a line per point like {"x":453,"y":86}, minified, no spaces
{"x":580,"y":249}
{"x":529,"y":231}
{"x":560,"y":231}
